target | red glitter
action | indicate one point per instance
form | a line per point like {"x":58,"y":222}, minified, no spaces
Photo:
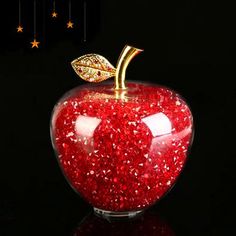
{"x":121,"y":154}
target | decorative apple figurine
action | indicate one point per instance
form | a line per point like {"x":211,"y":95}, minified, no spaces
{"x":120,"y":147}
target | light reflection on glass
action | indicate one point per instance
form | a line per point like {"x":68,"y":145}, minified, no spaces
{"x":85,"y":125}
{"x":161,"y":129}
{"x":159,"y":124}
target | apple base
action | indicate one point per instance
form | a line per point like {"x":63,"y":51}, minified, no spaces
{"x":114,"y":215}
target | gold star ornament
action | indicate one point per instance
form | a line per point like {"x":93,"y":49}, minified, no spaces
{"x":19,"y":29}
{"x":54,"y":14}
{"x":35,"y":44}
{"x":70,"y":24}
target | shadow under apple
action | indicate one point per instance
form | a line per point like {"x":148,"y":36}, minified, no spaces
{"x":148,"y":224}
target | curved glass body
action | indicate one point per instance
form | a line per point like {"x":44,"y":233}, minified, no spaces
{"x":121,"y":151}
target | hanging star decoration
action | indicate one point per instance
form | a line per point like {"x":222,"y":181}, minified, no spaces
{"x":19,"y":29}
{"x":35,"y":44}
{"x":54,"y":14}
{"x":70,"y":24}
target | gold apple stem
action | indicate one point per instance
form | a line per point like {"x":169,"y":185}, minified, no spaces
{"x":126,"y":56}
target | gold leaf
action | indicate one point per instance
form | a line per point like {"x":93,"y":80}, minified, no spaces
{"x":96,"y":95}
{"x":93,"y":68}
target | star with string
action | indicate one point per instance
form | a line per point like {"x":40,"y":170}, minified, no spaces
{"x":70,"y":24}
{"x":19,"y":29}
{"x":35,"y":44}
{"x":54,"y":14}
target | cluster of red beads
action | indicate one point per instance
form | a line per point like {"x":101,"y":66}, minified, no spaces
{"x":121,"y":152}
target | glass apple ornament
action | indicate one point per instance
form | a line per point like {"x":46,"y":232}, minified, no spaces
{"x":120,"y":147}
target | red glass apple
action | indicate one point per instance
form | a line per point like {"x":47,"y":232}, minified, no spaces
{"x":121,"y":148}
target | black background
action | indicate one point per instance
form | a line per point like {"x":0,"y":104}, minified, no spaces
{"x":189,"y":46}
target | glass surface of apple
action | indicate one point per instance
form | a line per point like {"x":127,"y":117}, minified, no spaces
{"x":120,"y":147}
